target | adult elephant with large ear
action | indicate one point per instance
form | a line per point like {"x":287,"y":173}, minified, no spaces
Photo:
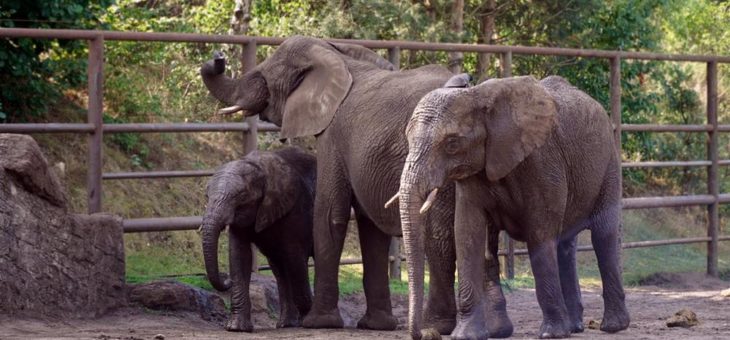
{"x":536,"y":159}
{"x":358,"y":107}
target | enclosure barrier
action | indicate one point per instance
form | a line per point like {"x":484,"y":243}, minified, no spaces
{"x":95,"y":128}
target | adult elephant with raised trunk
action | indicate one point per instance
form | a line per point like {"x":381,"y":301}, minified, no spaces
{"x":536,"y":159}
{"x":358,"y":107}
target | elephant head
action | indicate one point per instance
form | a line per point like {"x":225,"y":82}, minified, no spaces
{"x":455,"y":133}
{"x":299,"y":87}
{"x":251,"y":193}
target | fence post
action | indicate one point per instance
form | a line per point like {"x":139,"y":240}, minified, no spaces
{"x":615,"y":102}
{"x":250,"y":137}
{"x":95,"y":73}
{"x":394,"y":250}
{"x":713,"y":185}
{"x":509,"y":243}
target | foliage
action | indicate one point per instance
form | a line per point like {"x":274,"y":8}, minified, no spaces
{"x":40,"y":68}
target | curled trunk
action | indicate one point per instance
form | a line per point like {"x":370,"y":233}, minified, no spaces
{"x":413,"y":239}
{"x":211,"y":232}
{"x":249,"y":92}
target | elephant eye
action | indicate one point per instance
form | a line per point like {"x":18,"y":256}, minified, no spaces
{"x":452,"y":144}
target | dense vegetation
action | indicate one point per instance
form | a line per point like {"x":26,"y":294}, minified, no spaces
{"x":156,"y":82}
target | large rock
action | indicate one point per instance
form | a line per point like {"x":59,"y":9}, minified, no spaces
{"x":175,"y":296}
{"x":52,"y":262}
{"x":170,"y":295}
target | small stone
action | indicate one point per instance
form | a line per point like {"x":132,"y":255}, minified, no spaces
{"x":594,"y":324}
{"x":430,"y":334}
{"x":159,"y":337}
{"x":684,"y":318}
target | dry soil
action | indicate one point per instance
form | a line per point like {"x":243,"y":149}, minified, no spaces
{"x":649,"y":306}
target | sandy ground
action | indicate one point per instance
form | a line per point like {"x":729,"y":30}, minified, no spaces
{"x":649,"y":306}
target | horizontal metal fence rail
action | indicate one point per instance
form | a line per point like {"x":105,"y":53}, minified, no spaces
{"x":95,"y":128}
{"x":375,"y":44}
{"x":134,"y":127}
{"x":157,"y":174}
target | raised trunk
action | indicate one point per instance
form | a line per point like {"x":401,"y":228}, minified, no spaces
{"x":211,"y":232}
{"x":413,"y":239}
{"x":249,"y":92}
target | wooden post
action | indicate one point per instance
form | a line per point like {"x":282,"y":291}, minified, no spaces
{"x":95,"y":71}
{"x":250,"y":137}
{"x":509,"y":243}
{"x":615,"y":90}
{"x":713,"y":185}
{"x":394,"y":250}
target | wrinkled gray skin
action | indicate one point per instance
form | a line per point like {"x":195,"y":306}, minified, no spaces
{"x":536,"y":159}
{"x":358,"y":108}
{"x":267,"y":199}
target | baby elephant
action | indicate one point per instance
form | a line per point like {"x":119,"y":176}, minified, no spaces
{"x":266,"y":199}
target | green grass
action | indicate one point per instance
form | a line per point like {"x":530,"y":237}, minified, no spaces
{"x":180,"y":254}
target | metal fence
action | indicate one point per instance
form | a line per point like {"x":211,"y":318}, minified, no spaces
{"x":95,"y":128}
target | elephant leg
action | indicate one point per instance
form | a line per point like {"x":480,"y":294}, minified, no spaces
{"x":569,"y":283}
{"x":440,"y":312}
{"x":301,"y":292}
{"x":544,"y":262}
{"x":331,"y":214}
{"x":239,"y":249}
{"x":470,"y":224}
{"x":498,"y":321}
{"x":374,"y":245}
{"x":288,"y":316}
{"x":606,"y":242}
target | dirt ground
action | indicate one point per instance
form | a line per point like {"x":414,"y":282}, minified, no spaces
{"x":649,"y":306}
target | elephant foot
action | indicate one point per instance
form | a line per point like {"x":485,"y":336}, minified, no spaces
{"x":554,"y":330}
{"x":440,"y":317}
{"x":577,"y":327}
{"x":329,"y":319}
{"x":472,"y":327}
{"x":499,"y":325}
{"x":616,"y":321}
{"x":288,"y":322}
{"x":238,"y":323}
{"x":379,"y":320}
{"x":442,"y":326}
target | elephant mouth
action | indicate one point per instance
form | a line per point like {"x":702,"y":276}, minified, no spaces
{"x":462,"y":171}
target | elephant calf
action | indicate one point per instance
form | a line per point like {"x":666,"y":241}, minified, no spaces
{"x":266,"y":199}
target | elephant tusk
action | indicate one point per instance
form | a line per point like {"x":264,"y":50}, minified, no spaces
{"x":230,"y":109}
{"x":392,"y":200}
{"x":429,"y":200}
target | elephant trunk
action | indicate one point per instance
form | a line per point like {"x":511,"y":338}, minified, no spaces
{"x":211,"y":232}
{"x":413,"y":238}
{"x":248,"y":93}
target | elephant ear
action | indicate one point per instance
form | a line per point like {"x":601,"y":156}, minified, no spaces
{"x":365,"y":54}
{"x":521,"y":114}
{"x":309,"y":109}
{"x":281,"y":190}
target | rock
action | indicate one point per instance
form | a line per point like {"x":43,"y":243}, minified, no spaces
{"x":159,"y":337}
{"x":684,"y":318}
{"x":594,"y":324}
{"x":175,"y":296}
{"x":430,"y":334}
{"x":725,"y":293}
{"x":52,"y":262}
{"x":264,"y":296}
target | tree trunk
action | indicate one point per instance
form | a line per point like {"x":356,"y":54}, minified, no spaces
{"x":239,"y":26}
{"x":486,"y":33}
{"x":456,"y":59}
